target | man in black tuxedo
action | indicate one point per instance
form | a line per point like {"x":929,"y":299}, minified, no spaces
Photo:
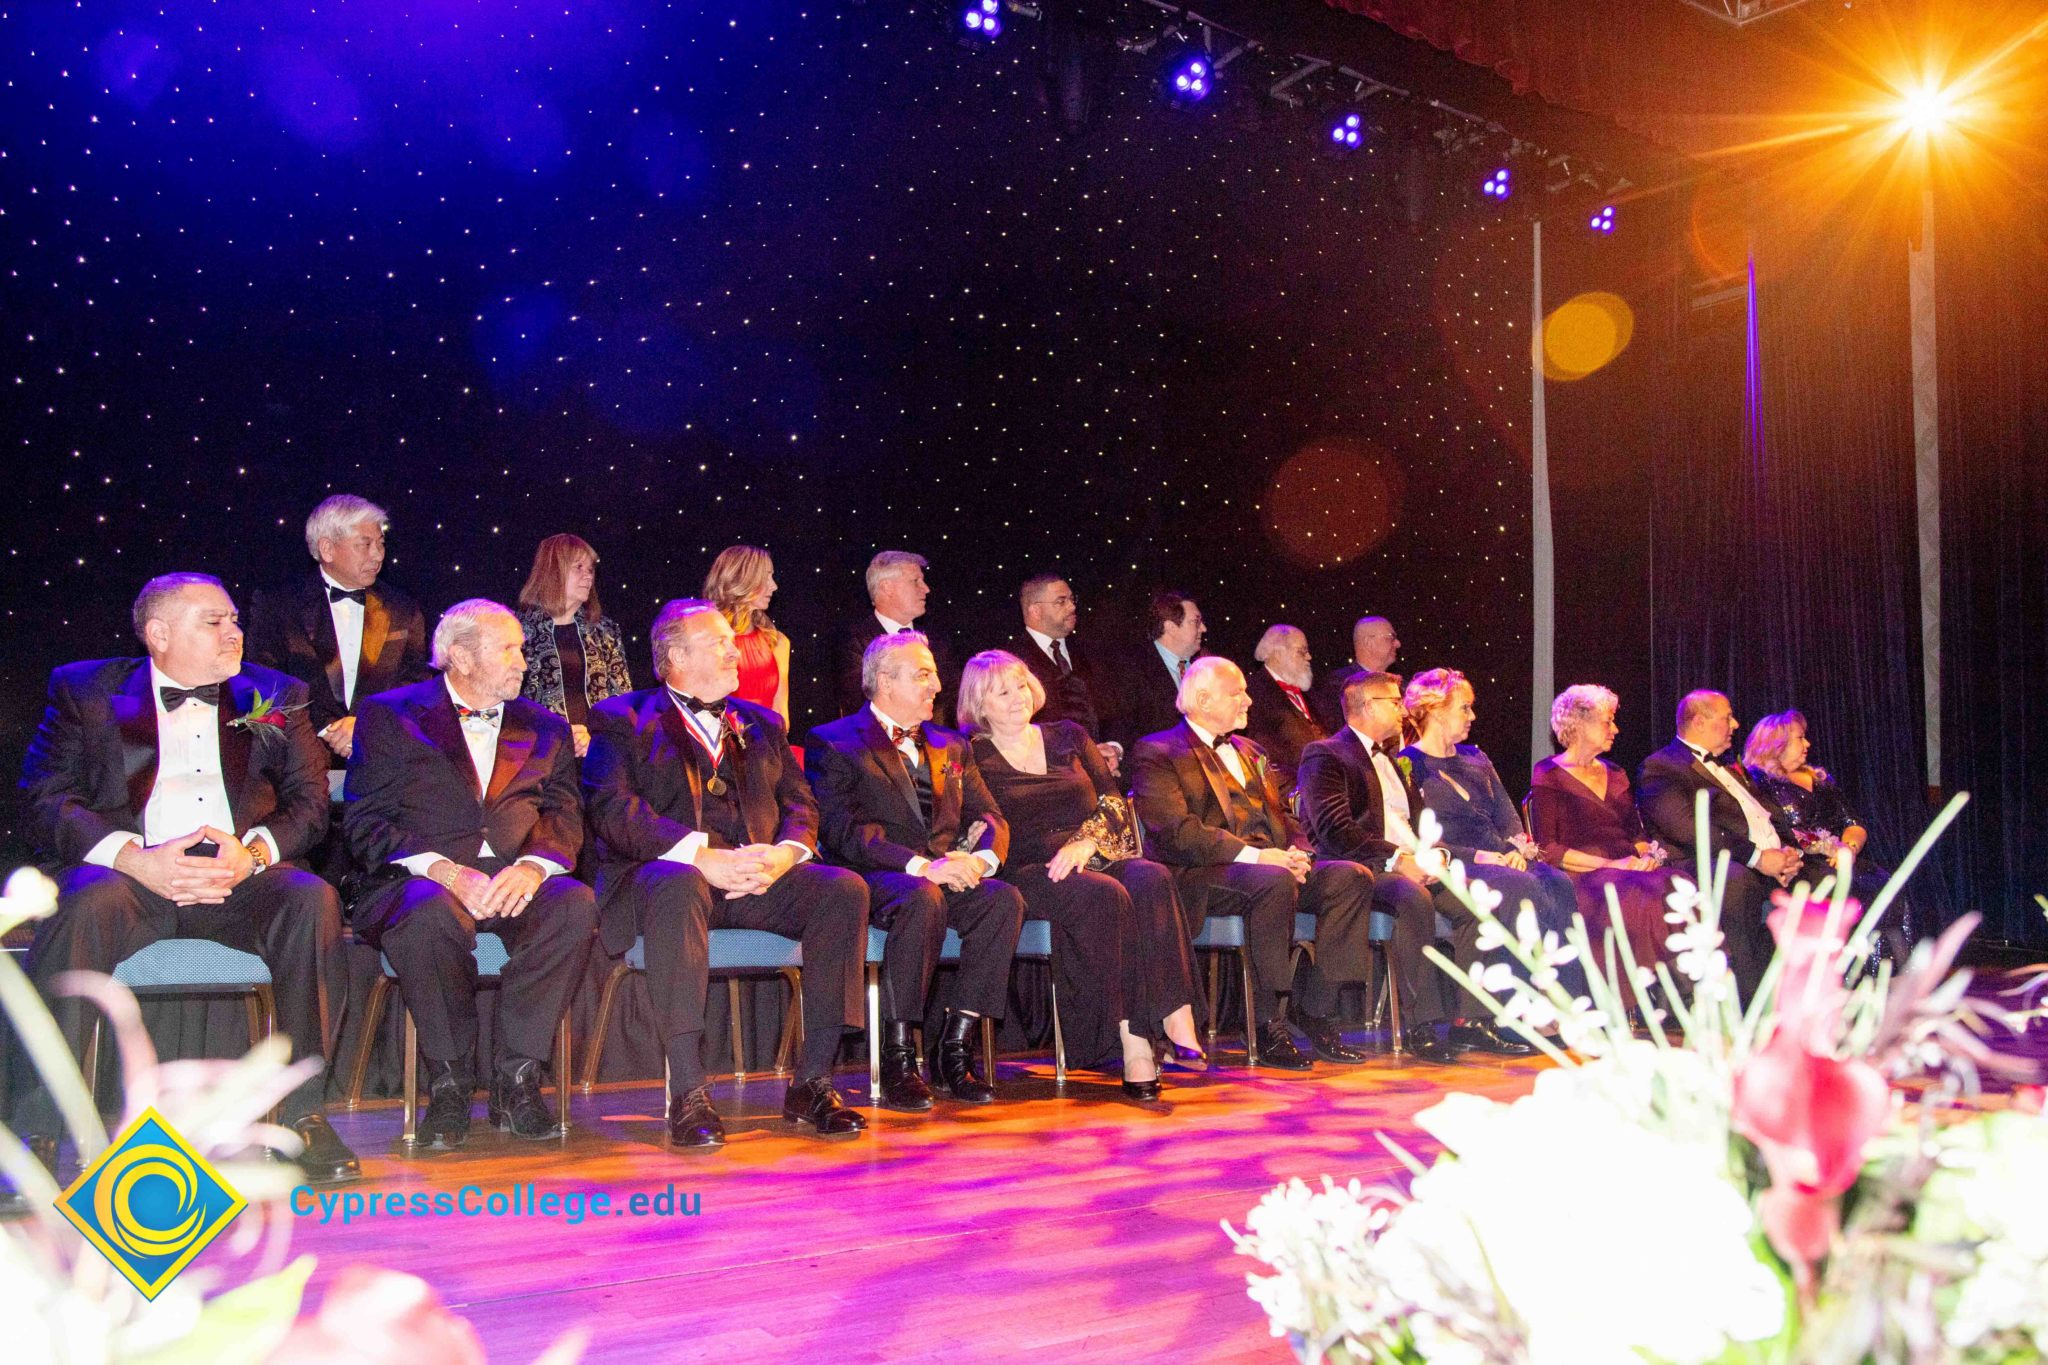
{"x":463,"y":807}
{"x":704,"y":822}
{"x":173,"y":793}
{"x":1214,"y":814}
{"x":1280,"y":722}
{"x":1063,"y":668}
{"x":897,"y":594}
{"x":1146,"y":693}
{"x":1373,"y":648}
{"x":904,"y":805}
{"x":1762,"y":853}
{"x":1357,"y":801}
{"x":341,"y":633}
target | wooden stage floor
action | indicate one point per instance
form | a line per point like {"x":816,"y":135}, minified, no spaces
{"x":1074,"y":1226}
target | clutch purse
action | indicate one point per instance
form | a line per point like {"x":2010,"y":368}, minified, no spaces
{"x":1115,"y":831}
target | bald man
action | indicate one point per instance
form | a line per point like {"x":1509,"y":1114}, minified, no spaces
{"x":1374,"y":647}
{"x":1214,"y":813}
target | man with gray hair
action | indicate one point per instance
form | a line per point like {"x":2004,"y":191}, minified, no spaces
{"x":897,"y":594}
{"x":173,"y":794}
{"x":1280,"y":722}
{"x":341,"y":632}
{"x":463,"y":807}
{"x":1214,"y":814}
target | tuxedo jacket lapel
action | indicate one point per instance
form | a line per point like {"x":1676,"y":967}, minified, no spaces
{"x":319,"y":623}
{"x":676,"y":731}
{"x":376,"y":626}
{"x":889,"y":759}
{"x":1211,"y":768}
{"x":515,"y":741}
{"x":135,"y":713}
{"x":438,"y":723}
{"x":235,"y":744}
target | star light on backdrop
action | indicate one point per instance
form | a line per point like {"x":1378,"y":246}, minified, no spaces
{"x":758,"y":274}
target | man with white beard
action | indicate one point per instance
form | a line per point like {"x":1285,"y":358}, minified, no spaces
{"x":1280,"y":721}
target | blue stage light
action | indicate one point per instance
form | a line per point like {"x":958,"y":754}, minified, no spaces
{"x":1191,"y":77}
{"x":1347,"y":132}
{"x":1497,"y":185}
{"x":1603,"y":221}
{"x":983,"y":18}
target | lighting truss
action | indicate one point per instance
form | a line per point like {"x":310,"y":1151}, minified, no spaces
{"x":1742,"y":12}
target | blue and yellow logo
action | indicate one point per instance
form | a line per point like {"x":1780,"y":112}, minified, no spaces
{"x":150,"y":1203}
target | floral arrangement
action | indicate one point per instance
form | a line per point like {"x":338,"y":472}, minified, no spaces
{"x":265,"y":718}
{"x":62,"y":1301}
{"x":1760,"y":1188}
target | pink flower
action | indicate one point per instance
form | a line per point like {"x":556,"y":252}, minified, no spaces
{"x":372,"y":1316}
{"x":1809,"y":1112}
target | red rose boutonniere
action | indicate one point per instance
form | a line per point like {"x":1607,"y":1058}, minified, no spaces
{"x":265,"y":718}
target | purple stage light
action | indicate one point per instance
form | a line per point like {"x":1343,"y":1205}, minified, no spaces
{"x":983,"y":18}
{"x":1497,"y":185}
{"x":1347,"y":132}
{"x":1191,"y":78}
{"x":1603,"y":221}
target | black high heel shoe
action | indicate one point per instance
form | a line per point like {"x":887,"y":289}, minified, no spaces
{"x":1186,"y":1058}
{"x":1144,"y":1092}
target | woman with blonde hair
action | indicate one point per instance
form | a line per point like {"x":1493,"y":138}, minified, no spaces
{"x":742,"y":582}
{"x":1125,"y":970}
{"x":1481,"y":826}
{"x":575,"y":655}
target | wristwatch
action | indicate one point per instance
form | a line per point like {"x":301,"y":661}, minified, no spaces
{"x":259,"y":855}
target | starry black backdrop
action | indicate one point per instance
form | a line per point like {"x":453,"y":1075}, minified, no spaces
{"x":675,"y":277}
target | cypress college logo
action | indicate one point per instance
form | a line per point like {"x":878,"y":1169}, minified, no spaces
{"x":150,"y":1203}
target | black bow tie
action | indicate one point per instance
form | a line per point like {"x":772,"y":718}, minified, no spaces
{"x":702,"y":708}
{"x":1711,"y":760}
{"x":175,"y":697}
{"x":897,"y":736}
{"x":359,"y":596}
{"x":464,"y":713}
{"x":1387,"y":747}
{"x":1220,"y":743}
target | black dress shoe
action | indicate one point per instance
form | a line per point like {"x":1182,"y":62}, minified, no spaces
{"x":1277,"y":1048}
{"x":449,"y":1093}
{"x":1421,"y":1042}
{"x":902,"y":1087}
{"x":1186,"y":1058}
{"x":816,"y":1102}
{"x":953,"y":1061}
{"x":1484,"y":1037}
{"x":692,"y":1122}
{"x":326,"y":1159}
{"x":1144,"y":1092}
{"x":1325,"y":1039}
{"x":516,"y":1106}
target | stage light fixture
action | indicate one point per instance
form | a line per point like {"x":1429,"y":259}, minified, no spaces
{"x":983,"y":19}
{"x":1347,"y":133}
{"x":1925,"y":109}
{"x":1603,"y":220}
{"x":1190,"y":77}
{"x":1497,"y":186}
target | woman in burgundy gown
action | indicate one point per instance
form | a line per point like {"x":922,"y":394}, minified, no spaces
{"x":1584,"y":820}
{"x":742,"y":582}
{"x":1125,"y":972}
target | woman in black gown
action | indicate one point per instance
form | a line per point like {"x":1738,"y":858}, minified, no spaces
{"x":1128,"y":989}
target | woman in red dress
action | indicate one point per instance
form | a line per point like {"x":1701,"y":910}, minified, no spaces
{"x":741,"y":582}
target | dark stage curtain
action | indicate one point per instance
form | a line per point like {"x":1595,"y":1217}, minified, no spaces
{"x":1784,"y":543}
{"x":1993,"y":339}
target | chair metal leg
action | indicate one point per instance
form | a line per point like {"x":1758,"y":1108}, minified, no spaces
{"x":262,"y":1009}
{"x":792,"y":1021}
{"x":988,"y":1047}
{"x":1251,"y":1025}
{"x":89,"y":1066}
{"x":595,"y":1052}
{"x":373,"y":1016}
{"x":1212,"y":980}
{"x":739,"y":1051}
{"x":1059,"y":1038}
{"x":874,"y":970}
{"x":410,"y":1133}
{"x":563,"y":1061}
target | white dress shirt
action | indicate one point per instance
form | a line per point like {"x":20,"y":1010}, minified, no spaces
{"x":1051,"y":648}
{"x":690,"y":845}
{"x":1234,"y":765}
{"x":913,"y":754}
{"x":348,"y":639}
{"x":893,"y":627}
{"x":1763,"y":835}
{"x":480,"y":735}
{"x":189,"y":790}
{"x":1397,"y":816}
